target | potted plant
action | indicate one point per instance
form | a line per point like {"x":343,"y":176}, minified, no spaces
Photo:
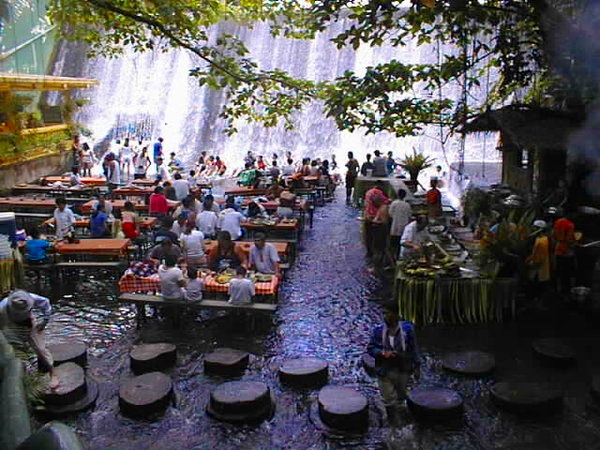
{"x":415,"y":163}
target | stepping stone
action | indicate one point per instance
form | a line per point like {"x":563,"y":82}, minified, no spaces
{"x":435,"y":404}
{"x":146,"y":358}
{"x":472,"y":363}
{"x":88,"y":400}
{"x":72,"y":385}
{"x":343,"y":409}
{"x":145,"y":395}
{"x":527,"y":397}
{"x":554,"y":351}
{"x":75,"y":352}
{"x":368,"y":363}
{"x":226,"y":361}
{"x":241,"y":402}
{"x":53,"y":435}
{"x":304,"y":372}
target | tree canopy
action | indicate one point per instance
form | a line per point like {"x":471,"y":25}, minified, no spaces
{"x":540,"y":53}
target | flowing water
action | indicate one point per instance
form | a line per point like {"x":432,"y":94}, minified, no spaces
{"x":152,"y":95}
{"x":328,"y":306}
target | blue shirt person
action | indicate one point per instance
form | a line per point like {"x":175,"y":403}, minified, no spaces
{"x":36,"y":248}
{"x":98,"y":223}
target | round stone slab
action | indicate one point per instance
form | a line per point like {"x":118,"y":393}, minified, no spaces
{"x":437,"y":404}
{"x":472,"y":363}
{"x":241,"y":402}
{"x":82,"y":404}
{"x":146,"y":358}
{"x":554,"y":351}
{"x":304,"y":372}
{"x":225,"y":361}
{"x":343,"y":408}
{"x":527,"y":397}
{"x":75,"y":352}
{"x":72,"y":385}
{"x":145,"y":395}
{"x":368,"y":363}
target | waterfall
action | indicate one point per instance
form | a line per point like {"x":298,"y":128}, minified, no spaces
{"x":152,"y":94}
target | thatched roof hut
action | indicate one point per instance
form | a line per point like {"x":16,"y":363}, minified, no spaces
{"x":527,"y":127}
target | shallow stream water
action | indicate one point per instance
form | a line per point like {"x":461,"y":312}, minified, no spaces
{"x":329,"y":304}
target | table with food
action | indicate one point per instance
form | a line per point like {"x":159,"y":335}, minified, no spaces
{"x":443,"y":284}
{"x":273,"y":227}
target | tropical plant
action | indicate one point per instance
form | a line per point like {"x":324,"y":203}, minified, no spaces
{"x":476,"y":203}
{"x":416,"y":163}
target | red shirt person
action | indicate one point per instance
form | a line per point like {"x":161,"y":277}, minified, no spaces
{"x":563,"y":233}
{"x":158,"y":204}
{"x":434,"y":200}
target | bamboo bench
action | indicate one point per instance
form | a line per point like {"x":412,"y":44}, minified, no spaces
{"x":157,"y":300}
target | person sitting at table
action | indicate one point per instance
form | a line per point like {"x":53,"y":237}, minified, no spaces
{"x":181,"y":187}
{"x":160,"y":251}
{"x":63,"y":219}
{"x":315,"y":170}
{"x":98,"y":223}
{"x":162,"y":174}
{"x":170,"y":191}
{"x":171,"y":279}
{"x":194,"y":287}
{"x":230,"y":220}
{"x":36,"y":248}
{"x":413,"y":237}
{"x":367,"y":165}
{"x":165,"y":231}
{"x":108,"y":206}
{"x":260,"y":163}
{"x":288,"y":169}
{"x":274,"y":171}
{"x":275,"y":190}
{"x":74,"y":178}
{"x":192,"y":181}
{"x":158,"y":204}
{"x":305,"y":168}
{"x":175,"y":164}
{"x":179,"y":225}
{"x":192,"y":243}
{"x":206,"y":222}
{"x":209,"y":205}
{"x":241,"y":289}
{"x":255,"y":210}
{"x":263,"y":256}
{"x":128,"y":218}
{"x":287,"y":201}
{"x":226,"y":254}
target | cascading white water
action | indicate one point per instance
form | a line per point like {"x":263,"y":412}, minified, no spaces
{"x":152,"y":93}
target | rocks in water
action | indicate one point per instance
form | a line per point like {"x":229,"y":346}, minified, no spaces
{"x":72,"y":385}
{"x":304,"y":372}
{"x":145,"y":395}
{"x":241,"y":402}
{"x":53,"y":435}
{"x":368,"y":363}
{"x":88,"y":400}
{"x":527,"y":397}
{"x":343,"y":409}
{"x":226,"y":361}
{"x":554,"y":351}
{"x":471,"y":363}
{"x":152,"y":357}
{"x":435,"y":404}
{"x":75,"y":352}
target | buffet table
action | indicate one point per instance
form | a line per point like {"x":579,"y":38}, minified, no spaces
{"x":476,"y":299}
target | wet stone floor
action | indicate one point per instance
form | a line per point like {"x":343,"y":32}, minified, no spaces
{"x":328,"y":305}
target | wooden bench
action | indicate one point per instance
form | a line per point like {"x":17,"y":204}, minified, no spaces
{"x":157,"y":300}
{"x":117,"y":266}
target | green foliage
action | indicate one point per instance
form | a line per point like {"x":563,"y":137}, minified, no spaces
{"x":12,"y":144}
{"x":477,"y":203}
{"x":415,"y":163}
{"x":515,"y":39}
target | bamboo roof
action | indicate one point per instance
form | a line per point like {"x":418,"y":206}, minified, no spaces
{"x":26,"y":82}
{"x":528,"y":127}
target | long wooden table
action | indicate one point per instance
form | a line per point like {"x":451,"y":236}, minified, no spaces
{"x":281,"y":247}
{"x":245,"y":192}
{"x":145,"y":223}
{"x":132,"y":192}
{"x":72,"y":191}
{"x":108,"y":247}
{"x":88,"y":181}
{"x":26,"y":204}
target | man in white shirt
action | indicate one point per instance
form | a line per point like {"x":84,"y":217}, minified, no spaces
{"x":162,"y":173}
{"x":63,"y":218}
{"x":400,"y":213}
{"x":231,"y":220}
{"x":171,"y":279}
{"x":288,"y":169}
{"x":192,"y":181}
{"x":413,"y":236}
{"x":206,"y":221}
{"x":181,"y":186}
{"x":114,"y":172}
{"x":263,"y":256}
{"x":108,"y":207}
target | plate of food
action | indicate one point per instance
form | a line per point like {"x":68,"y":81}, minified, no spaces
{"x":223,"y":278}
{"x":263,"y":277}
